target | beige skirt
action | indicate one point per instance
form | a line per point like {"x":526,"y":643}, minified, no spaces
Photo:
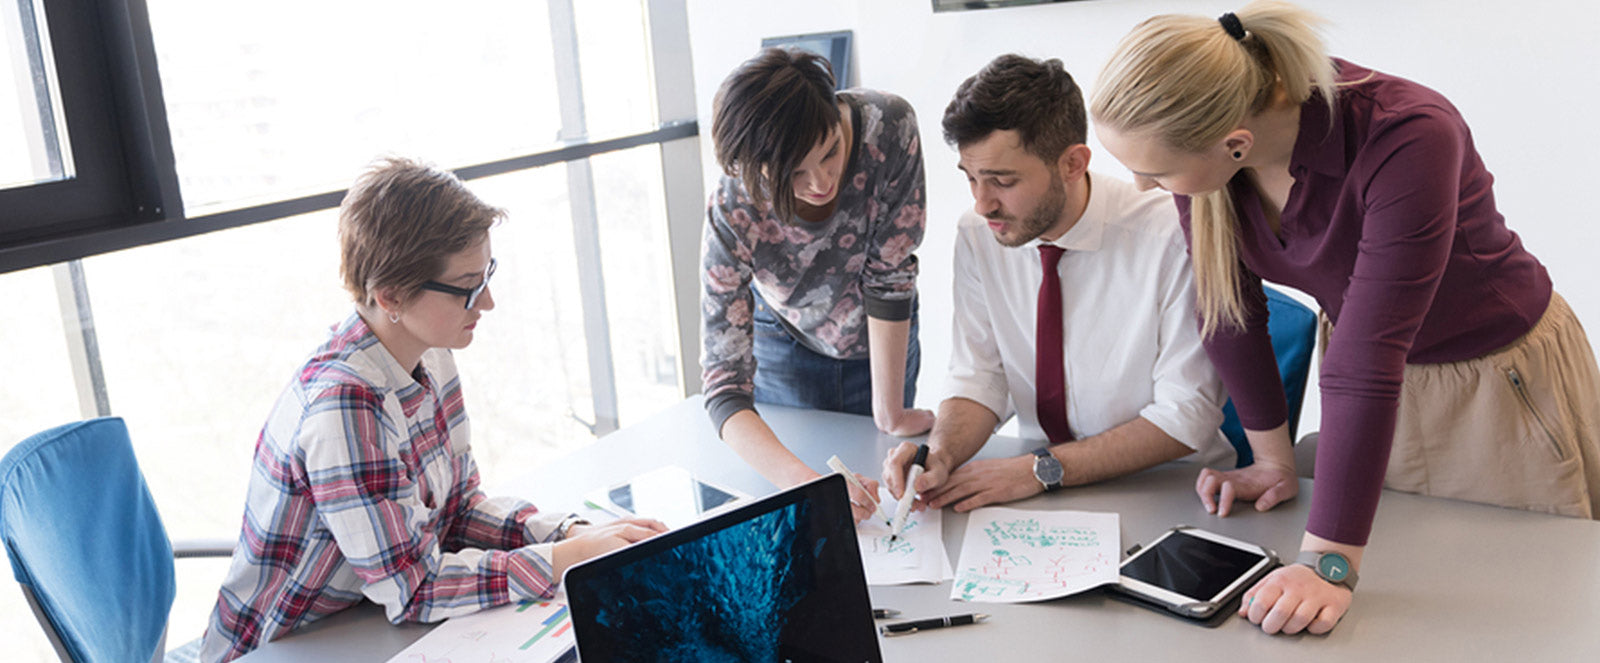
{"x":1518,"y":427}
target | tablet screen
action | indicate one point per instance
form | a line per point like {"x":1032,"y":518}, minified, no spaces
{"x":671,"y":494}
{"x":1191,"y":566}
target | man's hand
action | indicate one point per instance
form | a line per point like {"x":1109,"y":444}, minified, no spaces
{"x":898,"y":463}
{"x":1265,"y":482}
{"x":1292,"y":599}
{"x":983,"y":482}
{"x":905,"y":422}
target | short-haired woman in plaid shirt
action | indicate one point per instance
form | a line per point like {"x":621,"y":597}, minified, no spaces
{"x":364,"y":484}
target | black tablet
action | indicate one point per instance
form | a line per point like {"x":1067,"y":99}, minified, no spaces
{"x":776,"y":579}
{"x":1193,"y":573}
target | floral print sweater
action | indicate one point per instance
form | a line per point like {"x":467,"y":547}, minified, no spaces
{"x":824,"y":279}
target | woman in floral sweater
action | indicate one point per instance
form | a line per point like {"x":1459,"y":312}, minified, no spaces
{"x":809,"y":276}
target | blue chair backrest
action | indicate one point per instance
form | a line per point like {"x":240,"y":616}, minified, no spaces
{"x":1294,"y":333}
{"x":83,"y":534}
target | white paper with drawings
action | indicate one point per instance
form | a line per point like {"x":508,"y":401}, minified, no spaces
{"x":916,"y":556}
{"x":1012,"y":555}
{"x":521,"y":632}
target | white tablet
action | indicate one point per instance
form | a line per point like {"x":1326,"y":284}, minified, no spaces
{"x":1192,"y":572}
{"x":671,"y":495}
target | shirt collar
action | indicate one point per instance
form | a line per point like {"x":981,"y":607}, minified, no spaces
{"x":1320,"y":145}
{"x":1086,"y":234}
{"x":379,"y":365}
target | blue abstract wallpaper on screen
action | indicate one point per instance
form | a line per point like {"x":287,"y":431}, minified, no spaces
{"x":778,"y":587}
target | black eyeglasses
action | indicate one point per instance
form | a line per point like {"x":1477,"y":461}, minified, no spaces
{"x":470,"y":293}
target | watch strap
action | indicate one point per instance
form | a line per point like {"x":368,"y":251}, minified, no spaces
{"x":1330,"y":566}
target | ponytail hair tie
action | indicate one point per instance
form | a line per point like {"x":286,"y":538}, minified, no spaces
{"x":1231,"y":24}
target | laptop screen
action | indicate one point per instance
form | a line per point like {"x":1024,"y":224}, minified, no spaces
{"x":778,"y":579}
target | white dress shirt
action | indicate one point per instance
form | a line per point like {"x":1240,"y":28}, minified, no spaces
{"x":1132,"y":348}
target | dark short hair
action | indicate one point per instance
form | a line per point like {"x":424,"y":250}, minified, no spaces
{"x":400,"y":223}
{"x":767,"y":116}
{"x":1038,"y":99}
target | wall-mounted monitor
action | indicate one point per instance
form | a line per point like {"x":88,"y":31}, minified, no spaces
{"x":835,"y":46}
{"x":963,"y":5}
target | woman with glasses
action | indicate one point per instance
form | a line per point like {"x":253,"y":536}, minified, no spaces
{"x":364,"y":483}
{"x":809,"y":276}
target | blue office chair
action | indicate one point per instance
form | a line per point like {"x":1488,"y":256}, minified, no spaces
{"x":88,"y":546}
{"x":1293,"y":328}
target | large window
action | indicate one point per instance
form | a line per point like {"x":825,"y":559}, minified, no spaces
{"x":188,"y":322}
{"x":264,"y":104}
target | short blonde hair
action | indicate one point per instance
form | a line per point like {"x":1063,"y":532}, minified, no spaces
{"x":400,"y":223}
{"x":1187,"y":82}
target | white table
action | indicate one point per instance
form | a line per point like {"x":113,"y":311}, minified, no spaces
{"x":1443,"y":581}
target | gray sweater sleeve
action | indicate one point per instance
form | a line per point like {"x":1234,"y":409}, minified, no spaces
{"x":727,"y":360}
{"x":889,"y":281}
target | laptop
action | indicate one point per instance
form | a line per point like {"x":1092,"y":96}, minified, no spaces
{"x":778,"y":579}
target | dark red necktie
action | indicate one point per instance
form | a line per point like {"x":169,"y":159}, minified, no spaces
{"x":1050,"y":372}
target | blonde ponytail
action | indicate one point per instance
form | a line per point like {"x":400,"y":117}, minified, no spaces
{"x":1184,"y":80}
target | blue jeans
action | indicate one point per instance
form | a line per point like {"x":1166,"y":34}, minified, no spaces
{"x":789,"y":373}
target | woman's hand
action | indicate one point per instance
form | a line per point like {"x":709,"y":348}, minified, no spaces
{"x":588,"y":541}
{"x":905,"y":422}
{"x":1265,"y":482}
{"x":1292,"y":599}
{"x":861,"y":503}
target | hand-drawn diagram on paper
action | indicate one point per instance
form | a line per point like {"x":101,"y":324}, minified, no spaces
{"x":917,"y":555}
{"x":1011,"y":555}
{"x":524,"y":632}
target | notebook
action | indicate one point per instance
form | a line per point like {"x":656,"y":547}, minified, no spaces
{"x":778,"y":579}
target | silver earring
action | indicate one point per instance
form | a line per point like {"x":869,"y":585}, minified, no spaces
{"x":394,"y":317}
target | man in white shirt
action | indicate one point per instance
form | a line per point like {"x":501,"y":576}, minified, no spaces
{"x":1116,"y":354}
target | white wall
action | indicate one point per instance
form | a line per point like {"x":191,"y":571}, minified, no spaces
{"x":1521,"y":73}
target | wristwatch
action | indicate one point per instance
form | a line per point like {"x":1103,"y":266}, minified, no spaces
{"x":1330,"y":566}
{"x":1047,"y":469}
{"x":566,"y":525}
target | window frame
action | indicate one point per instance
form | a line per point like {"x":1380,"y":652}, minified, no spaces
{"x":115,"y":116}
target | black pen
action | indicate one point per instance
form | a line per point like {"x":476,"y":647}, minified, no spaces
{"x":904,"y":628}
{"x":885,"y":613}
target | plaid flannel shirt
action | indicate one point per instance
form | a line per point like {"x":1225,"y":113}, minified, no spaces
{"x":364,"y":486}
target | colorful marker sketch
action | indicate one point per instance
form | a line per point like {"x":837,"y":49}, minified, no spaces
{"x":916,"y":556}
{"x":1012,"y":556}
{"x":523,"y":632}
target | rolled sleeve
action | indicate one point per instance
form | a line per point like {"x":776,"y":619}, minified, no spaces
{"x":1187,"y":394}
{"x":977,"y":372}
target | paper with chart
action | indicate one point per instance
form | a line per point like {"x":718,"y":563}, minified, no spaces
{"x":522,"y":632}
{"x":1012,"y":555}
{"x":916,"y":556}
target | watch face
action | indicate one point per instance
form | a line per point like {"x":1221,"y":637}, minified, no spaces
{"x":1333,"y":566}
{"x":1048,"y":470}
